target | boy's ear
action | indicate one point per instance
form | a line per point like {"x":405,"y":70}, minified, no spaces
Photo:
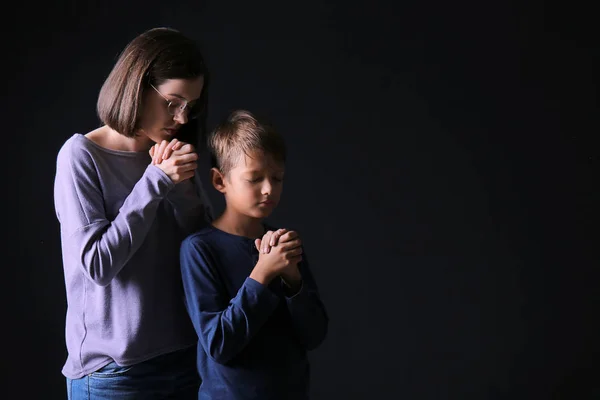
{"x":217,"y":179}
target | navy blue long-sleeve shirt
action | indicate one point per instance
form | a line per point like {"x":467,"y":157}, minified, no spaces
{"x":253,"y":339}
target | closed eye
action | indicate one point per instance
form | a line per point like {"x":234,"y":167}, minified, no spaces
{"x":256,"y":180}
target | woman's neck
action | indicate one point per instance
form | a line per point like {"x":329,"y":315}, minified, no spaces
{"x":113,"y":140}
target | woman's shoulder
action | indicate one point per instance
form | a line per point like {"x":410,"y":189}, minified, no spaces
{"x":94,"y":145}
{"x":81,"y":149}
{"x":95,"y":139}
{"x":75,"y":147}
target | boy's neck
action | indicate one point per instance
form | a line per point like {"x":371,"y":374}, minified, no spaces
{"x":240,"y":225}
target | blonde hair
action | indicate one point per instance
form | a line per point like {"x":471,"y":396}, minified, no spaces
{"x":241,"y":133}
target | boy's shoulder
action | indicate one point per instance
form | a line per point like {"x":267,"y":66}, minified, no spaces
{"x":206,"y":236}
{"x":209,"y":239}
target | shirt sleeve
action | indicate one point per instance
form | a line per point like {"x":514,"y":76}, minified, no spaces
{"x":224,"y":325}
{"x":101,"y":247}
{"x":308,"y":313}
{"x":190,"y":205}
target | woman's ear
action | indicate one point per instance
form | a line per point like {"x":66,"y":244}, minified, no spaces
{"x":218,"y":180}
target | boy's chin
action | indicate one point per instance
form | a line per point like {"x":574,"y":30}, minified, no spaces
{"x":261,"y":213}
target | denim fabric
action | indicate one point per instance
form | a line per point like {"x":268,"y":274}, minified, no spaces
{"x":170,"y":376}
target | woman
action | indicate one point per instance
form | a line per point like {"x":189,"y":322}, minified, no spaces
{"x":125,"y":197}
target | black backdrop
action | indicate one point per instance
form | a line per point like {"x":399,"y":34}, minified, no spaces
{"x":440,"y":174}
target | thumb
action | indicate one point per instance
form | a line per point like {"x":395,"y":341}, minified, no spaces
{"x":151,"y":151}
{"x":257,"y":244}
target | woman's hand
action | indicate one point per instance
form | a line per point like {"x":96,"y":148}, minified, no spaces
{"x":177,"y":159}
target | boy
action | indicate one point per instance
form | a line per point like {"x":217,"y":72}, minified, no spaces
{"x":256,"y":314}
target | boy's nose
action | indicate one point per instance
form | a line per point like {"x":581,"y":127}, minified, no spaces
{"x":267,"y":187}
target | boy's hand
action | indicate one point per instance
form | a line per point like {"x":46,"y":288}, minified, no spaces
{"x":292,"y":278}
{"x":271,"y":239}
{"x":281,"y":259}
{"x":291,"y":274}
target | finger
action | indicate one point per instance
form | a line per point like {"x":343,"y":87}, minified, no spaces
{"x":185,"y":158}
{"x":162,"y":147}
{"x":178,"y":145}
{"x":159,"y":151}
{"x":152,"y":152}
{"x":169,"y":148}
{"x":265,"y":242}
{"x":288,"y":235}
{"x":291,"y":235}
{"x":189,"y":167}
{"x":293,"y":244}
{"x":186,"y":148}
{"x":155,"y":153}
{"x":275,"y":238}
{"x":265,"y":234}
{"x":295,"y":252}
{"x":266,"y":247}
{"x":257,"y":244}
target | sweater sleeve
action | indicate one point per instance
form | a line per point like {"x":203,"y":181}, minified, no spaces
{"x":224,"y":326}
{"x":190,"y":205}
{"x":307,"y":310}
{"x":101,"y":246}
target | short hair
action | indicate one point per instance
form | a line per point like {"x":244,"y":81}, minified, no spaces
{"x":242,"y":133}
{"x":151,"y":58}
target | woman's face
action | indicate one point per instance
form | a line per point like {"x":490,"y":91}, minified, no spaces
{"x":166,"y":107}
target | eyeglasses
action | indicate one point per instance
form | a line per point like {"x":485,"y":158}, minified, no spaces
{"x":178,"y":106}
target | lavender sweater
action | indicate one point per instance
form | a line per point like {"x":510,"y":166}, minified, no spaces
{"x":121,"y":223}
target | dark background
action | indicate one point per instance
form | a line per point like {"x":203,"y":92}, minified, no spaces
{"x":441,"y":174}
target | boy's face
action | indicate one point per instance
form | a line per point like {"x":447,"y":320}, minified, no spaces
{"x":253,"y":187}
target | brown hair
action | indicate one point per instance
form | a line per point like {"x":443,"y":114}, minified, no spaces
{"x":241,"y":133}
{"x":150,"y":59}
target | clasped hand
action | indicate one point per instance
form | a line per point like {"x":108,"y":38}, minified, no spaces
{"x":177,"y":159}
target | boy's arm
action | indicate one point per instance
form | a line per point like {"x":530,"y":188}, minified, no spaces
{"x":224,"y":326}
{"x":306,"y":308}
{"x":190,"y":205}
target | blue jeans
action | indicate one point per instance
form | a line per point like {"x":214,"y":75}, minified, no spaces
{"x":170,"y":376}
